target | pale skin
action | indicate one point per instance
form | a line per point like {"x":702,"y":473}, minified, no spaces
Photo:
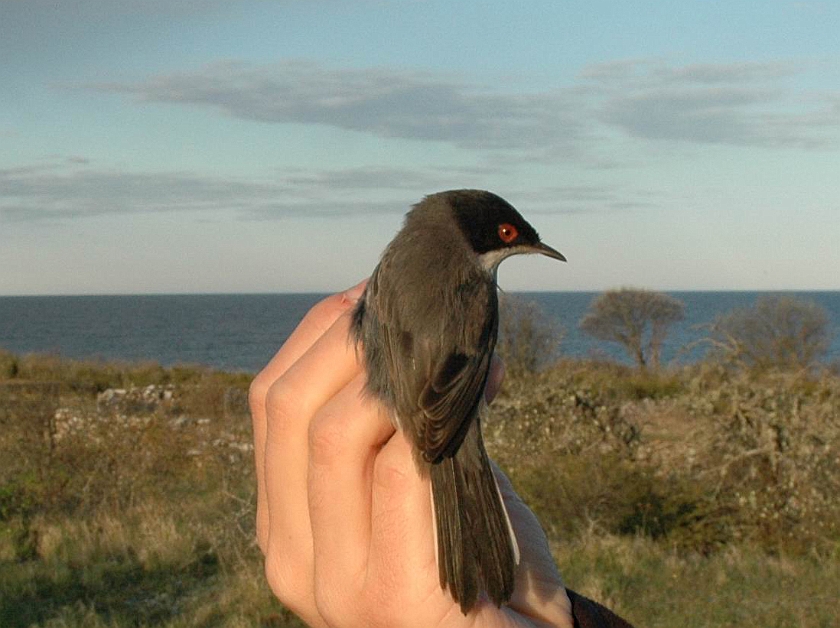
{"x":343,"y":517}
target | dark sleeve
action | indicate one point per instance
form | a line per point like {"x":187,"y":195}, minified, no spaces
{"x":589,"y":614}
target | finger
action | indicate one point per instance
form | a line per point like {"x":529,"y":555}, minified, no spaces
{"x":313,"y":325}
{"x":344,"y":439}
{"x":539,"y":592}
{"x":291,"y":403}
{"x":402,"y":537}
{"x":293,"y":400}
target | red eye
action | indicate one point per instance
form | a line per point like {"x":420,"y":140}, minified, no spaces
{"x":507,"y":232}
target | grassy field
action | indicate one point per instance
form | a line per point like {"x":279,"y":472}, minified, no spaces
{"x":697,"y":497}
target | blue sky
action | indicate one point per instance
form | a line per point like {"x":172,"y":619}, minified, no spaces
{"x":274,"y":145}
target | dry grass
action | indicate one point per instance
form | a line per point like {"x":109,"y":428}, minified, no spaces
{"x":702,"y":457}
{"x":654,"y":586}
{"x":137,"y":509}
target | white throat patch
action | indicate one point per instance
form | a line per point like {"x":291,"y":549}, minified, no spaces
{"x":491,"y":259}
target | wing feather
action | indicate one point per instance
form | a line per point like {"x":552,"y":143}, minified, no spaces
{"x":435,"y":388}
{"x":453,"y":393}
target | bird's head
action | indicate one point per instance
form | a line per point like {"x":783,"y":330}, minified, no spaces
{"x":493,"y":228}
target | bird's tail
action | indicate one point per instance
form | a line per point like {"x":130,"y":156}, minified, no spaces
{"x":476,"y":547}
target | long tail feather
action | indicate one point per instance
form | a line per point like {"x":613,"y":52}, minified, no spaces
{"x":476,"y":546}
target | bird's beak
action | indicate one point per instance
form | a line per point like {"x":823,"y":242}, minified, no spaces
{"x":546,"y":250}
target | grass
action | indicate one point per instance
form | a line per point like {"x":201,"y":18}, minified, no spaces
{"x":698,"y":497}
{"x":147,"y":566}
{"x":656,"y":586}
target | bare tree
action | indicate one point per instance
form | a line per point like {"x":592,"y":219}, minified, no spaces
{"x":636,"y":319}
{"x":776,"y":332}
{"x":529,"y":339}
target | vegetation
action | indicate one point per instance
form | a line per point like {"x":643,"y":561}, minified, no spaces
{"x":777,"y":332}
{"x":636,"y":319}
{"x":529,"y":339}
{"x":704,"y":496}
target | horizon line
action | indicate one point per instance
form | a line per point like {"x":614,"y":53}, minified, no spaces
{"x":329,"y":292}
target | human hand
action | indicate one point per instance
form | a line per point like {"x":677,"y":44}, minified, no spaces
{"x":343,"y":518}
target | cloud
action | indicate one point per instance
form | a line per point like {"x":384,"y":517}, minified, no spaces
{"x":645,"y":73}
{"x":595,"y":122}
{"x":65,"y":190}
{"x":740,"y":104}
{"x":73,"y":188}
{"x":106,"y":8}
{"x":364,"y":179}
{"x":385,"y":102}
{"x":577,"y":199}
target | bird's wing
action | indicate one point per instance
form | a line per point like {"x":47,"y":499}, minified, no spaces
{"x":453,"y":392}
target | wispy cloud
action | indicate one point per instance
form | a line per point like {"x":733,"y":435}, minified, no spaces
{"x":577,"y":199}
{"x":741,"y":104}
{"x":69,"y":189}
{"x":645,"y":73}
{"x":73,"y":188}
{"x":107,"y":8}
{"x":752,"y":104}
{"x":385,"y":102}
{"x":609,"y":108}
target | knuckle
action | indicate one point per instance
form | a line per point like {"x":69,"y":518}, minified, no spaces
{"x":281,"y":405}
{"x":324,"y":313}
{"x":286,"y":582}
{"x":391,"y":473}
{"x":326,"y":438}
{"x":340,"y":605}
{"x":258,"y":391}
{"x":330,"y":607}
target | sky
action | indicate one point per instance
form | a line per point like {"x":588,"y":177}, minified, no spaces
{"x":177,"y":146}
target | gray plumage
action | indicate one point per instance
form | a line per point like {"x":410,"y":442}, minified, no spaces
{"x":428,"y":323}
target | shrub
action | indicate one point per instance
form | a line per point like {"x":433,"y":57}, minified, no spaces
{"x":773,"y":459}
{"x":529,"y":339}
{"x":9,"y":367}
{"x":571,"y":493}
{"x":777,"y":332}
{"x":638,"y":320}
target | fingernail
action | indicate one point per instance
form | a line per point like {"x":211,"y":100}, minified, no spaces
{"x":354,"y":294}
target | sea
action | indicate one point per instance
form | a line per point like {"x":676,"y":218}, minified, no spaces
{"x":241,"y":332}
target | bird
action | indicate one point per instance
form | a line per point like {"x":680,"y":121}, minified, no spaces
{"x":426,"y":325}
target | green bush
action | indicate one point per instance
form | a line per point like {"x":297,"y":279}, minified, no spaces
{"x":612,"y":495}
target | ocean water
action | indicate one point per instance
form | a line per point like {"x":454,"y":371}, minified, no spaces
{"x":683,"y":342}
{"x":242,"y":332}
